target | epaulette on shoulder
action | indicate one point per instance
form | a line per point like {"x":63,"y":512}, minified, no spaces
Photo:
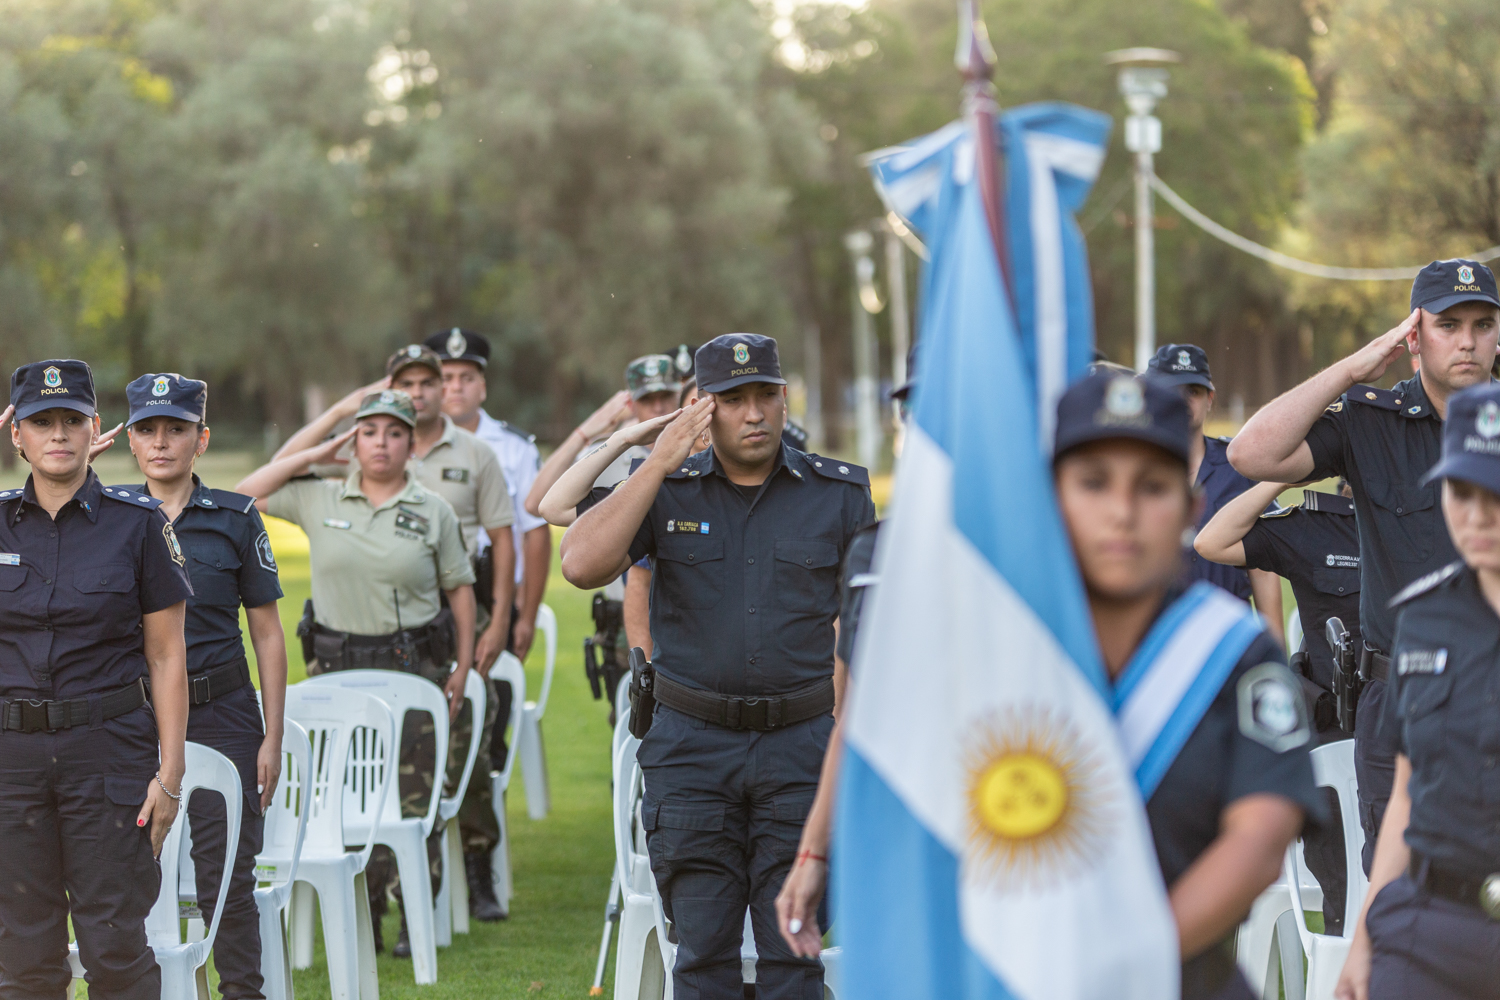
{"x":844,"y":472}
{"x":1278,"y":512}
{"x":1368,"y":395}
{"x":232,"y":500}
{"x":692,"y":467}
{"x":131,"y":497}
{"x":14,"y":494}
{"x":1431,"y":581}
{"x":1224,"y":438}
{"x":510,"y":428}
{"x":1326,"y":503}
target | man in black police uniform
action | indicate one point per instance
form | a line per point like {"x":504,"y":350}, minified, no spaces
{"x":1186,"y":367}
{"x":231,"y":565}
{"x":747,"y":537}
{"x":1383,"y":441}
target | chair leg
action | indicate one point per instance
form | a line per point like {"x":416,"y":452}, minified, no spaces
{"x":416,"y":894}
{"x":275,"y":969}
{"x":533,"y":764}
{"x":301,"y":929}
{"x":342,"y":912}
{"x":364,"y":941}
{"x":442,"y":903}
{"x":1289,"y":951}
{"x":453,"y":844}
{"x":500,"y":861}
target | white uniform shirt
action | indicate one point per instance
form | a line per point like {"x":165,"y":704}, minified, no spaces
{"x":519,"y":460}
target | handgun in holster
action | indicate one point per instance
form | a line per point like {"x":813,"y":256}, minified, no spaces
{"x":602,"y":662}
{"x":305,"y":631}
{"x":1346,"y":680}
{"x":642,"y":693}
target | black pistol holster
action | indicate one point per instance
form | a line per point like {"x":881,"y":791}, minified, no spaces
{"x":642,"y":693}
{"x":1347,"y":682}
{"x":603,"y":662}
{"x":305,"y":631}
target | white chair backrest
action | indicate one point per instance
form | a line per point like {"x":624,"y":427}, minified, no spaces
{"x":401,"y":693}
{"x":626,"y":781}
{"x":508,"y":668}
{"x":476,"y":693}
{"x":1333,"y":767}
{"x":335,"y":721}
{"x":546,"y":624}
{"x":287,"y":814}
{"x":209,"y":770}
{"x":1294,"y":633}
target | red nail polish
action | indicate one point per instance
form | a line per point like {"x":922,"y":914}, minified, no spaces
{"x":140,"y":822}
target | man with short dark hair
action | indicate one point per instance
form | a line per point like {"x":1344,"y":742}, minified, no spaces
{"x":1384,"y":441}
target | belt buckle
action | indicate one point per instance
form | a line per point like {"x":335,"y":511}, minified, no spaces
{"x":206,"y":694}
{"x":1489,"y":896}
{"x":749,"y":713}
{"x":34,"y":716}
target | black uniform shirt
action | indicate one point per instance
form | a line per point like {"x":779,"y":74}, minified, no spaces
{"x":1383,"y":441}
{"x":73,"y":590}
{"x":1220,"y":484}
{"x":230,"y":562}
{"x":745,"y":590}
{"x":1443,"y":707}
{"x":1316,"y":547}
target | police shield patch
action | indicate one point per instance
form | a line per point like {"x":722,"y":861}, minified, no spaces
{"x":1271,"y":709}
{"x":174,"y":547}
{"x":264,"y":554}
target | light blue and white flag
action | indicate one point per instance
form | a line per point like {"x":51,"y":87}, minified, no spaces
{"x":991,"y":839}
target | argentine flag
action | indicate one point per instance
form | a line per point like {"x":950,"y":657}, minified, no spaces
{"x":991,"y":840}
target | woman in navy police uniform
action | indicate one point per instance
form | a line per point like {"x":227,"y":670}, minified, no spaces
{"x":230,"y":561}
{"x":92,"y":598}
{"x":1431,"y":922}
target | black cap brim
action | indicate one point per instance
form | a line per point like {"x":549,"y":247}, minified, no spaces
{"x":30,"y":409}
{"x":175,"y":412}
{"x":1457,"y":298}
{"x":731,"y":383}
{"x":1181,"y":378}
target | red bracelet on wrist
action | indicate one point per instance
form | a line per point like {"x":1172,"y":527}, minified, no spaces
{"x":801,"y":855}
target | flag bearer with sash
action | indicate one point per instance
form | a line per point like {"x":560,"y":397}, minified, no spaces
{"x":1431,"y":922}
{"x":230,"y":563}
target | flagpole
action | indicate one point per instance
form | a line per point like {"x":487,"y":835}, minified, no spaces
{"x":975,"y":59}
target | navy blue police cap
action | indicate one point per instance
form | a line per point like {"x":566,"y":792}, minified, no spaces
{"x":1445,"y":283}
{"x":1180,"y":364}
{"x":1106,"y":406}
{"x":167,"y":394}
{"x":44,"y":385}
{"x":1471,"y":438}
{"x":736,"y":359}
{"x":461,"y":345}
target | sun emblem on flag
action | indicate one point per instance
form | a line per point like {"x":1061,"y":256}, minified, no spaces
{"x":1037,"y":809}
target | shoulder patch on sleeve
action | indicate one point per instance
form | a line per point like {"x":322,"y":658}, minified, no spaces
{"x":263,"y":553}
{"x":845,"y":472}
{"x":1368,"y":395}
{"x":174,"y":547}
{"x":234,"y":501}
{"x":1335,"y":407}
{"x":1423,"y":584}
{"x":1271,"y":709}
{"x":131,"y":497}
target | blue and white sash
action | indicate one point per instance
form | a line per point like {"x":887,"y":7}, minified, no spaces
{"x":1176,"y":674}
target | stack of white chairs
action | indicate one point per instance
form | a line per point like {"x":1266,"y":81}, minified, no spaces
{"x":183,"y":972}
{"x":529,"y":744}
{"x":452,"y":902}
{"x":353,"y":737}
{"x":507,"y":668}
{"x":405,"y":836}
{"x":285,"y":831}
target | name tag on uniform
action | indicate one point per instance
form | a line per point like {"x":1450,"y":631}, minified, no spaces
{"x":409,"y":521}
{"x":1422,"y":661}
{"x":1342,"y":561}
{"x":10,"y":559}
{"x":333,"y":522}
{"x":455,"y":475}
{"x":687,"y":527}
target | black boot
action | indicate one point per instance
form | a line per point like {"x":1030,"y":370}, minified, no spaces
{"x":403,"y":943}
{"x":379,"y":936}
{"x":482,"y":902}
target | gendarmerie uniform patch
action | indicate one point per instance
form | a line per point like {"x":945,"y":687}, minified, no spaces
{"x":1271,"y":709}
{"x":411,"y":521}
{"x":173,"y":545}
{"x":1421,"y":661}
{"x":456,"y":475}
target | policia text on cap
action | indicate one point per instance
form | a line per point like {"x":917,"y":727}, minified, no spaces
{"x":747,"y":537}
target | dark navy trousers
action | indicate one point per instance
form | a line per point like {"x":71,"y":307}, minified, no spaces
{"x":723,"y":813}
{"x":1431,"y":948}
{"x":69,"y":846}
{"x":1374,"y":764}
{"x":232,"y":725}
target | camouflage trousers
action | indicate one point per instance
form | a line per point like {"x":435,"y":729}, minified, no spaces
{"x":414,"y":783}
{"x":476,"y":817}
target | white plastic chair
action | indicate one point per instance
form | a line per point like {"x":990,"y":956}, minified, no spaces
{"x":285,"y":831}
{"x":1293,"y":632}
{"x":1333,"y":767}
{"x":643,"y":956}
{"x":183,"y":973}
{"x":353,"y":742}
{"x":406,"y":836}
{"x":529,"y":743}
{"x":451,"y":907}
{"x":506,"y":668}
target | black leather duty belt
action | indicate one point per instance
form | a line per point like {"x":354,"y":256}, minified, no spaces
{"x":35,"y":716}
{"x":1373,"y":664}
{"x":760,"y":713}
{"x":216,"y":683}
{"x":1482,"y":894}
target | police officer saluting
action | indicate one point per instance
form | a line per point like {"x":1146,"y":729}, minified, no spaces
{"x":94,"y":593}
{"x":231,"y":565}
{"x":747,"y":537}
{"x":1384,"y":441}
{"x":1431,"y":923}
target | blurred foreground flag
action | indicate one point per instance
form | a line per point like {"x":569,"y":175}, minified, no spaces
{"x":991,"y":840}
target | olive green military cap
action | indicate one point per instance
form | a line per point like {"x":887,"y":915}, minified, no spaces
{"x":391,"y":402}
{"x":651,"y":373}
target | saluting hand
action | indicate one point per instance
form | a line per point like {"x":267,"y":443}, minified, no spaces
{"x":349,"y":405}
{"x":5,"y":414}
{"x":160,"y":810}
{"x":644,"y":432}
{"x":104,"y":442}
{"x":676,"y":441}
{"x":1370,"y":362}
{"x":328,"y":452}
{"x":614,"y":410}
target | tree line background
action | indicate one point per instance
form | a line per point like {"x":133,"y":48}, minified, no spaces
{"x":274,"y":194}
